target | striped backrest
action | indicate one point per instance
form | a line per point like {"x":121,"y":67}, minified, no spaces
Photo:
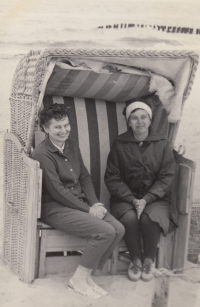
{"x":94,"y":126}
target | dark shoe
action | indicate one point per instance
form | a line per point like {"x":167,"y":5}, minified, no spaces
{"x":148,"y":270}
{"x":135,"y":270}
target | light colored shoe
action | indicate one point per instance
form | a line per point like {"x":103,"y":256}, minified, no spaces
{"x":88,"y":293}
{"x":99,"y":290}
{"x":135,"y":270}
{"x":148,"y":270}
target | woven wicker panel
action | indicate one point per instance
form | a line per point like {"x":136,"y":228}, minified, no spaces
{"x":24,"y":75}
{"x":21,"y":108}
{"x":15,"y":193}
{"x":194,"y":240}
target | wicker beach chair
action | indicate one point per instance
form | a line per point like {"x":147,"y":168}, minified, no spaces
{"x":96,"y":84}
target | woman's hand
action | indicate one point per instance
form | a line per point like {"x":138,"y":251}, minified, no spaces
{"x":98,"y":210}
{"x":136,"y":203}
{"x":103,"y":210}
{"x":142,"y":205}
{"x":139,"y":205}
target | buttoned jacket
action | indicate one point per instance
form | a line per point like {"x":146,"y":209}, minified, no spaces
{"x":65,"y":177}
{"x":132,"y":173}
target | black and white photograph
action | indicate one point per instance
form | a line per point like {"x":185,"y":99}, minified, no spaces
{"x":100,"y":153}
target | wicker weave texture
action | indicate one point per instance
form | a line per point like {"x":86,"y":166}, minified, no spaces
{"x":194,"y":240}
{"x":15,"y":193}
{"x":21,"y":108}
{"x":23,"y":80}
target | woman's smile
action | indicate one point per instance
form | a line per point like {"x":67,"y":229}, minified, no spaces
{"x":141,"y":127}
{"x":62,"y":135}
{"x":139,"y":121}
{"x":58,"y":130}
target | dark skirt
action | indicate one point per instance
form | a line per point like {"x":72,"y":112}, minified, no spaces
{"x":158,"y":211}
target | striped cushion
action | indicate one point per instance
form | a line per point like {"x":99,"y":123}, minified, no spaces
{"x":94,"y":125}
{"x":116,"y":86}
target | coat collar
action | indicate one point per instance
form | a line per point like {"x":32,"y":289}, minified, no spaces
{"x":50,"y":146}
{"x":129,"y":137}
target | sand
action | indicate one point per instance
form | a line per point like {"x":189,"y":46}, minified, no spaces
{"x":52,"y":291}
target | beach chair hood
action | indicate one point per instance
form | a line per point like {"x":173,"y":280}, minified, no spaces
{"x":112,"y":75}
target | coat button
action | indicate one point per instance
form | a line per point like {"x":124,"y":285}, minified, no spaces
{"x":72,"y":188}
{"x":66,"y":160}
{"x":71,"y":170}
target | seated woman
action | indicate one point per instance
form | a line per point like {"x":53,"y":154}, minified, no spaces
{"x":139,"y":174}
{"x":69,"y":202}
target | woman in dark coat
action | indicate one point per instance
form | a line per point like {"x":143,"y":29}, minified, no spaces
{"x":69,"y":202}
{"x":139,"y":175}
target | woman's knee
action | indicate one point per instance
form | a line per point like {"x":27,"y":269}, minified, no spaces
{"x":145,"y":219}
{"x":148,"y":224}
{"x":109,"y":233}
{"x":115,"y":231}
{"x":119,"y":230}
{"x":112,"y":221}
{"x":129,"y":218}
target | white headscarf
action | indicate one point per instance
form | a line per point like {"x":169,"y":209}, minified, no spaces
{"x":138,"y":105}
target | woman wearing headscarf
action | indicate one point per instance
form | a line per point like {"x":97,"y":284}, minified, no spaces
{"x":139,"y":175}
{"x":69,"y":202}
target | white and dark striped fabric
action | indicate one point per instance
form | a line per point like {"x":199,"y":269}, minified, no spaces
{"x":94,"y":126}
{"x":115,"y":87}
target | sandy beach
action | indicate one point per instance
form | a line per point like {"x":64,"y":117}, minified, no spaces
{"x":25,"y":26}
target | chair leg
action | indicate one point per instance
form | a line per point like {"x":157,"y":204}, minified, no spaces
{"x":161,"y":252}
{"x":181,"y":242}
{"x":37,"y":253}
{"x":42,"y":254}
{"x":114,"y":259}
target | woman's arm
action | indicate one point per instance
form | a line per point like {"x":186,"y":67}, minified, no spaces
{"x":113,"y":179}
{"x":165,"y":176}
{"x":55,"y":187}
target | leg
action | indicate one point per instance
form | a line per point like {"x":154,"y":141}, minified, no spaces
{"x":132,"y":239}
{"x":151,"y":234}
{"x":132,"y":234}
{"x":119,"y":233}
{"x":102,"y":235}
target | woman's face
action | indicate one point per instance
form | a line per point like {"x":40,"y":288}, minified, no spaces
{"x":139,"y":121}
{"x":58,"y":130}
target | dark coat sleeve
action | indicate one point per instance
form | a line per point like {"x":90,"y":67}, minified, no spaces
{"x":113,"y":180}
{"x":55,"y":187}
{"x":164,"y":178}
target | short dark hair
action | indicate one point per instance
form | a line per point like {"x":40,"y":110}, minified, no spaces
{"x":56,"y":111}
